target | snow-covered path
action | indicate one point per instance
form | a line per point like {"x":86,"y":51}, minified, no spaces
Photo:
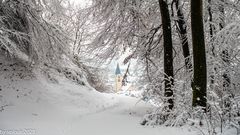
{"x":122,"y":117}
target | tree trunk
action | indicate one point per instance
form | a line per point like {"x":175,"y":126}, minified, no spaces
{"x":211,"y":29}
{"x":168,"y":53}
{"x":182,"y":28}
{"x":225,"y":53}
{"x":226,"y":62}
{"x":199,"y":83}
{"x":210,"y":18}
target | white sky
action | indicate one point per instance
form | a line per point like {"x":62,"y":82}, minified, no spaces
{"x":82,"y":3}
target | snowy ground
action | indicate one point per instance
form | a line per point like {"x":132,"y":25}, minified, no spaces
{"x":32,"y":105}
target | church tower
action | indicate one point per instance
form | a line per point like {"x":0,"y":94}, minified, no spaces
{"x":118,"y":79}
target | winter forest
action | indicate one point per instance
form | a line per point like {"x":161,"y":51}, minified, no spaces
{"x":119,"y":67}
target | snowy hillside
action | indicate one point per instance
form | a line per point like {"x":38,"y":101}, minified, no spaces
{"x":30,"y":100}
{"x":31,"y":103}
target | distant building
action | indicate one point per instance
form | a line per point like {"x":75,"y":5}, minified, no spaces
{"x":118,"y":79}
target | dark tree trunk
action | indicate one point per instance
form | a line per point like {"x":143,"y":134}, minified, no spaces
{"x":199,"y":83}
{"x":211,"y":27}
{"x":225,"y":53}
{"x":182,"y":28}
{"x":211,"y":33}
{"x":225,"y":56}
{"x":168,"y":52}
{"x":210,"y":18}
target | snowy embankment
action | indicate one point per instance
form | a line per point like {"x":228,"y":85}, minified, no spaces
{"x":29,"y":101}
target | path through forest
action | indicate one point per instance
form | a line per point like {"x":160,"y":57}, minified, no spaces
{"x":122,"y":119}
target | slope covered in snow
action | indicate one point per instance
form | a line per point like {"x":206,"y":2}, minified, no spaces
{"x":35,"y":104}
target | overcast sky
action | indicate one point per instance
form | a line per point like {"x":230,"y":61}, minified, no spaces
{"x":83,"y":3}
